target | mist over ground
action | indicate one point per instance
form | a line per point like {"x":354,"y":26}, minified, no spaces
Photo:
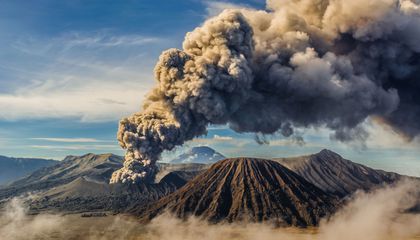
{"x":379,"y":215}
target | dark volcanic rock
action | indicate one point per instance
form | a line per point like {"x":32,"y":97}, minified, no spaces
{"x":179,"y":178}
{"x":244,"y":189}
{"x":336,"y":175}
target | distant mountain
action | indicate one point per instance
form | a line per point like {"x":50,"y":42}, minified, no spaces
{"x":202,"y":154}
{"x":12,"y":169}
{"x":80,"y":184}
{"x":334,"y":174}
{"x":93,"y":167}
{"x":246,"y":189}
{"x":85,"y":195}
{"x":225,"y":191}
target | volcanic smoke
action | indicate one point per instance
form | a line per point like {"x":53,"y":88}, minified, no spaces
{"x":300,"y":63}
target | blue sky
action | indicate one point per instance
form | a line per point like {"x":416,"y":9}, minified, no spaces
{"x":70,"y":69}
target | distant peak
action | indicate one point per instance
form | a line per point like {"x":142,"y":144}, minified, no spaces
{"x":90,"y":155}
{"x":240,"y":163}
{"x":108,"y":155}
{"x":93,"y":157}
{"x":241,"y":160}
{"x":202,"y":148}
{"x":69,"y":157}
{"x":328,"y":153}
{"x":199,"y":154}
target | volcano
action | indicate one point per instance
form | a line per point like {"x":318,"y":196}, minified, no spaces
{"x":250,"y":190}
{"x":336,"y":175}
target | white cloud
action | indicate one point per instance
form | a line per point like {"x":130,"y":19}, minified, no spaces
{"x":215,"y":7}
{"x":222,"y":138}
{"x":89,"y":103}
{"x":70,"y":140}
{"x":73,"y":40}
{"x":217,"y":127}
{"x":77,"y":147}
{"x":105,"y":40}
{"x":234,"y":144}
{"x":89,"y":77}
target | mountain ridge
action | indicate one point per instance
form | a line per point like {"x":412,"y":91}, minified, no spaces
{"x":12,"y":168}
{"x":81,"y":183}
{"x":336,"y":175}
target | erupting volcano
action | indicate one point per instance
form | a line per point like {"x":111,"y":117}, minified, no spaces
{"x":300,"y":64}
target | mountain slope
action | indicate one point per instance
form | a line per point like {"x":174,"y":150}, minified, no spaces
{"x":200,"y":154}
{"x":247,"y":189}
{"x":12,"y":169}
{"x":336,"y":175}
{"x":83,"y":195}
{"x":80,"y":184}
{"x":95,"y":167}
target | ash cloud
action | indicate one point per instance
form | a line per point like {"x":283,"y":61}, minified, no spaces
{"x":299,"y":64}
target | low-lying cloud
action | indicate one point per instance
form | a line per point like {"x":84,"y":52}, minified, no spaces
{"x":368,"y":216}
{"x":379,"y":215}
{"x":376,"y":216}
{"x":16,"y":224}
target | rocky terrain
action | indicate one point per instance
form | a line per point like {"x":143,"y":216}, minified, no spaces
{"x":12,"y":169}
{"x":81,"y":184}
{"x":336,"y":175}
{"x":95,"y":168}
{"x":245,"y":189}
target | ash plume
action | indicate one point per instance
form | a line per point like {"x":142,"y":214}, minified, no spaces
{"x":300,"y":63}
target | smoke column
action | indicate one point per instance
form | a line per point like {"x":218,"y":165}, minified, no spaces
{"x":300,"y":63}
